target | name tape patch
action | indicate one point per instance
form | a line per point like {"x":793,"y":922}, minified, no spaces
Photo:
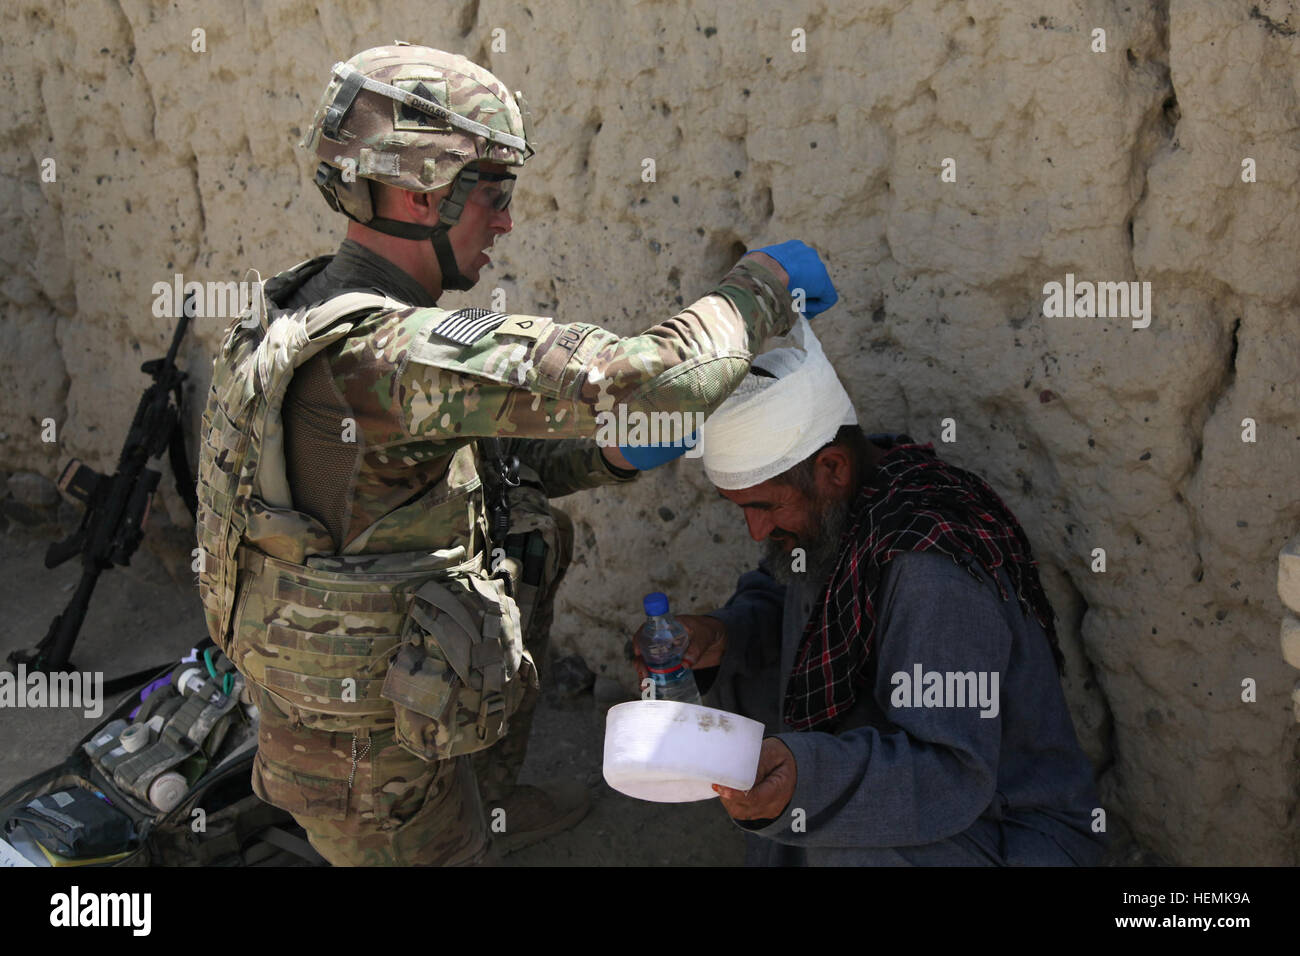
{"x":556,"y":358}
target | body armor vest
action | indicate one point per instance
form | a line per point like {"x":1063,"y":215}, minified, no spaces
{"x":425,"y":643}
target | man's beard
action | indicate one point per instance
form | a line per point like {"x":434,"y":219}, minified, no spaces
{"x":829,"y":518}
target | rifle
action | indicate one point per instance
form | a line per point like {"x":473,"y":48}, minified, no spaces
{"x":117,"y":506}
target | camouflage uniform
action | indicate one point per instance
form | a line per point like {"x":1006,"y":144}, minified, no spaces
{"x":382,"y":649}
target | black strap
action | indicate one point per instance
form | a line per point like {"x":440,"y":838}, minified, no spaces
{"x":134,"y":679}
{"x":451,"y":277}
{"x":503,"y":473}
{"x":450,"y":209}
{"x":283,"y":840}
{"x":400,"y":229}
{"x":343,"y":99}
{"x":449,"y":212}
{"x":447,"y":265}
{"x":185,"y":486}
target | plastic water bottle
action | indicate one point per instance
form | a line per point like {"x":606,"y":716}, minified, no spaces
{"x":663,"y":641}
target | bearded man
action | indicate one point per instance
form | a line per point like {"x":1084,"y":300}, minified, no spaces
{"x":895,"y":640}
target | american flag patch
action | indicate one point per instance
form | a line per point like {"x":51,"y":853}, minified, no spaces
{"x":467,"y":326}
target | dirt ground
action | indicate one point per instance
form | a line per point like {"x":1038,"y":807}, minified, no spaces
{"x":140,"y":616}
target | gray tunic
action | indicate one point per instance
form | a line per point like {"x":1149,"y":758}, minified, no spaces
{"x":908,"y":784}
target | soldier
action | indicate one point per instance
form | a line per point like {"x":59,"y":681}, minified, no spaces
{"x":379,"y":558}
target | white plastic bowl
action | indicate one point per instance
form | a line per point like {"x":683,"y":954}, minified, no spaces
{"x":668,"y":752}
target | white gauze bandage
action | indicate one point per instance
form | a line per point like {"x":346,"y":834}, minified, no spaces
{"x":768,"y":425}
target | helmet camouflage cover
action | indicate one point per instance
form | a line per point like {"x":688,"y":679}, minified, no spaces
{"x":412,"y":117}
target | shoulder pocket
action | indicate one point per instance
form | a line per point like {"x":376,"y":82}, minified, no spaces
{"x":486,"y":356}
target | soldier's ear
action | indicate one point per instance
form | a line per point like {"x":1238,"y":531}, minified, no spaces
{"x":405,"y":205}
{"x":423,"y":207}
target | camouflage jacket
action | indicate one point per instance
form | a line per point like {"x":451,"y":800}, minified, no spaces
{"x":401,"y":396}
{"x":411,"y":397}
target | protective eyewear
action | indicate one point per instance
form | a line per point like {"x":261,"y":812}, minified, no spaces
{"x":494,"y":191}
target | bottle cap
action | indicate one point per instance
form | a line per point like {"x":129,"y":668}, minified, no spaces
{"x":655,"y":604}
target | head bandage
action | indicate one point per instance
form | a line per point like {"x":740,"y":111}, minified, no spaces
{"x":769,"y":425}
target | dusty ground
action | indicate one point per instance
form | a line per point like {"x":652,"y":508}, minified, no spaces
{"x":139,"y":617}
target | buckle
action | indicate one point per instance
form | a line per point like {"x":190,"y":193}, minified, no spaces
{"x":324,"y":180}
{"x":509,"y":469}
{"x":489,"y":704}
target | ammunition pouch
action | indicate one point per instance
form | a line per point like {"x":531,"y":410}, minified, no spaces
{"x":462,"y":670}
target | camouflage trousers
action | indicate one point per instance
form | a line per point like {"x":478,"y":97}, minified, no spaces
{"x":366,"y":801}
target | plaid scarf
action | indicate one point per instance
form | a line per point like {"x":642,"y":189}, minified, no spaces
{"x":914,"y":502}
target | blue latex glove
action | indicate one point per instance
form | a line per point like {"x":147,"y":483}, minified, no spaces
{"x":645,"y":457}
{"x":807,"y":272}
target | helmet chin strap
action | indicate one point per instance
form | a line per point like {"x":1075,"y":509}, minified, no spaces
{"x":452,"y":278}
{"x":449,"y":211}
{"x":451,"y":274}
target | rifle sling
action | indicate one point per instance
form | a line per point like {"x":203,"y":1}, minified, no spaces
{"x":185,"y":484}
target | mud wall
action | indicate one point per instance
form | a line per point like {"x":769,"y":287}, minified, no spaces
{"x":950,"y":160}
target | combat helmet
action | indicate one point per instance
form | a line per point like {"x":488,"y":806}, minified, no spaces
{"x":419,"y":119}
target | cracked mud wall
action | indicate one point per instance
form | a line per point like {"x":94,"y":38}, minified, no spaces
{"x":1115,"y":166}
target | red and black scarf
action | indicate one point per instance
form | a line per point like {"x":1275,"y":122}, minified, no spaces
{"x":913,"y":502}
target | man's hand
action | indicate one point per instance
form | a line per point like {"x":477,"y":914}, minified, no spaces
{"x":708,"y":641}
{"x":772,"y":789}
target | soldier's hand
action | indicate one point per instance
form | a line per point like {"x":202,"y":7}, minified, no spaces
{"x":806,"y":276}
